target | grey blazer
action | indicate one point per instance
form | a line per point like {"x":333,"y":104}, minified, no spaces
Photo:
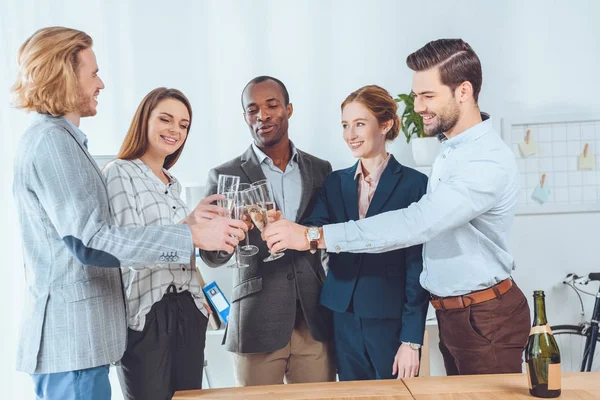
{"x":75,"y":313}
{"x":263,"y":300}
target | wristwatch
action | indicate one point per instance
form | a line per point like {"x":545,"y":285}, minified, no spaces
{"x":414,"y":346}
{"x":313,"y":235}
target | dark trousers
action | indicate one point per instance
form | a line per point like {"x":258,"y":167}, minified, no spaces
{"x":365,"y":347}
{"x":168,"y":355}
{"x":485,"y":338}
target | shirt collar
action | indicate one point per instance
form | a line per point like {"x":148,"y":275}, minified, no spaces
{"x":148,"y":172}
{"x":78,"y":132}
{"x":262,"y":157}
{"x":471,"y":134}
{"x":376,"y":173}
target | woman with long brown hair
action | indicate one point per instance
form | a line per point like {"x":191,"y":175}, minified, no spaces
{"x":166,"y":313}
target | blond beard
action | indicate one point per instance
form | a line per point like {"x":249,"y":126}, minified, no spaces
{"x":83,"y":104}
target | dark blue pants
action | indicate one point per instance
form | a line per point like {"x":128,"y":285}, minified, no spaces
{"x":365,"y":347}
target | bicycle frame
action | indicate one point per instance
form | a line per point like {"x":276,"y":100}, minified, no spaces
{"x":590,"y":342}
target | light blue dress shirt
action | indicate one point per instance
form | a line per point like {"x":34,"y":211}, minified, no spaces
{"x":287,"y":185}
{"x":463,"y":220}
{"x":78,"y":132}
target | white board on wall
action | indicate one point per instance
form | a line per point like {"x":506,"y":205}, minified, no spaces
{"x":560,"y":141}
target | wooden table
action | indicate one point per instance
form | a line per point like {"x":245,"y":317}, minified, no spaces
{"x":580,"y":386}
{"x":363,"y":390}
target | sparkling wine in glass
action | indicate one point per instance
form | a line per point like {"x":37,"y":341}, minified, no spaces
{"x":262,"y":202}
{"x":242,"y":206}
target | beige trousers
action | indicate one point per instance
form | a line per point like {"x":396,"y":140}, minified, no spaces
{"x":302,"y":360}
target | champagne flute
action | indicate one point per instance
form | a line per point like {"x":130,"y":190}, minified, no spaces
{"x":261,"y":182}
{"x":237,"y":213}
{"x":242,"y":207}
{"x":262,"y":201}
{"x":268,"y":195}
{"x":228,"y":185}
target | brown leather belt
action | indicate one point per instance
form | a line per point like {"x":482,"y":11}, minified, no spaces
{"x":464,"y":301}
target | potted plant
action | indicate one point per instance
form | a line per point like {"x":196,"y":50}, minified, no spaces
{"x":424,"y":148}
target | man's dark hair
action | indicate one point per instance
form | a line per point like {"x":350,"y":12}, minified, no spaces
{"x":262,"y":78}
{"x":456,"y":60}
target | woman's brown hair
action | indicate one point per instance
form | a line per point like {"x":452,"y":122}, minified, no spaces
{"x":135,"y":144}
{"x":380,"y":103}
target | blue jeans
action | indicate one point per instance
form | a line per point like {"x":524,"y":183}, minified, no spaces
{"x":84,"y":384}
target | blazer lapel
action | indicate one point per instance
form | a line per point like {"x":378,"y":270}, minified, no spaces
{"x":251,"y":167}
{"x":306,"y":172}
{"x":386,"y":186}
{"x":350,"y":193}
{"x":67,"y":128}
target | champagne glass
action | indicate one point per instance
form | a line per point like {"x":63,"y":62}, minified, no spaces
{"x":237,"y":213}
{"x":262,"y":201}
{"x":228,"y":185}
{"x":269,"y":197}
{"x":242,"y":207}
{"x":261,"y":182}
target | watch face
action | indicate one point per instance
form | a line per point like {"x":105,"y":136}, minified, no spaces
{"x":313,"y":233}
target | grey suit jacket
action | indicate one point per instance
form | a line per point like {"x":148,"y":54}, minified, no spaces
{"x":75,"y":313}
{"x":263,"y":301}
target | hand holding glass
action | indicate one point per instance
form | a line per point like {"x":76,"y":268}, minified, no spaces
{"x":261,"y":200}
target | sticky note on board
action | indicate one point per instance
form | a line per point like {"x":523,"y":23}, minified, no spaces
{"x":528,"y":147}
{"x":541,"y":194}
{"x":586,"y":160}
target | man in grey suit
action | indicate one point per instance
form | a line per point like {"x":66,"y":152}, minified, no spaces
{"x":277,"y":328}
{"x":74,"y":324}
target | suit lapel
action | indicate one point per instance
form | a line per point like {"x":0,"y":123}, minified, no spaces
{"x":306,"y":172}
{"x":67,"y":128}
{"x":350,"y":193}
{"x":386,"y":186}
{"x":251,"y":167}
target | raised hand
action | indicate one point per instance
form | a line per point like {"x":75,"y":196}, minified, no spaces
{"x":217,"y":233}
{"x":285,"y":234}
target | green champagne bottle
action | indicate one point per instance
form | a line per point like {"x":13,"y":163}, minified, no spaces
{"x":542,"y":356}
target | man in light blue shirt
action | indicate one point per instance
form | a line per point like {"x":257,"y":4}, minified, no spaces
{"x":463,"y":220}
{"x":286,"y":183}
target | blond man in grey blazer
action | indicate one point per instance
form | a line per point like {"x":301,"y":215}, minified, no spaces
{"x":74,"y":324}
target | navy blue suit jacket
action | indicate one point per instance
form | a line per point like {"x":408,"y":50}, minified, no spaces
{"x":382,"y":285}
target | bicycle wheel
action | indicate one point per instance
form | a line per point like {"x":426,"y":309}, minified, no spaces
{"x":571,"y":342}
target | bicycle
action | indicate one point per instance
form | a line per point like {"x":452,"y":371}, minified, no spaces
{"x":578,"y":344}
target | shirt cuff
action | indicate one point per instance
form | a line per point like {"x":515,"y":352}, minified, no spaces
{"x":334,"y":236}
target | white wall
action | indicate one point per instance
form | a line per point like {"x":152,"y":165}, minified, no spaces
{"x":539,"y":57}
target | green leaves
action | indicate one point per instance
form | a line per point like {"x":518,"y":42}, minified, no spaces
{"x":410,"y":121}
